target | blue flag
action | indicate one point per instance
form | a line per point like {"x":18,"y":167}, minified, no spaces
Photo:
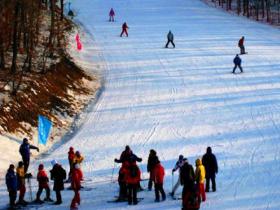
{"x":44,"y":128}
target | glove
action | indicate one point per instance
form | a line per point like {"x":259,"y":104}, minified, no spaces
{"x":140,"y":159}
{"x":38,"y":150}
{"x":116,"y":160}
{"x":173,"y":170}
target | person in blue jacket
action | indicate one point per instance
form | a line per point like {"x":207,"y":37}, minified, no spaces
{"x":11,"y":182}
{"x":237,"y":63}
{"x":24,"y":151}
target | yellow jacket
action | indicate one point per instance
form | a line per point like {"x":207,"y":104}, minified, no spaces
{"x":78,"y":159}
{"x":21,"y":175}
{"x":199,"y":172}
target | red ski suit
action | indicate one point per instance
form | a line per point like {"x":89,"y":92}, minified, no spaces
{"x":76,"y":186}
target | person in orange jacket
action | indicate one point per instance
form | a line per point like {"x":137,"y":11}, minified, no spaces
{"x":200,"y":178}
{"x":133,"y":181}
{"x":124,"y":29}
{"x":159,"y":173}
{"x":76,"y":186}
{"x":78,"y":159}
{"x":43,"y":181}
{"x":21,"y":183}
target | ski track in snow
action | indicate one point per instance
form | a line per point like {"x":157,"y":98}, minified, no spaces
{"x":177,"y":101}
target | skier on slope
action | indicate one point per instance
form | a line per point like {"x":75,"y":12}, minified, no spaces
{"x":170,"y":38}
{"x":21,"y":183}
{"x":11,"y":183}
{"x":76,"y":186}
{"x":211,"y":167}
{"x":43,"y":182}
{"x":58,"y":174}
{"x":159,"y":173}
{"x":237,"y":63}
{"x":241,"y":45}
{"x":124,"y":29}
{"x":180,"y":162}
{"x":152,"y":159}
{"x":200,"y":178}
{"x":24,"y":150}
{"x":133,"y":178}
{"x":111,"y":15}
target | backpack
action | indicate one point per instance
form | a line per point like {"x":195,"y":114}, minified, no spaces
{"x":133,"y":170}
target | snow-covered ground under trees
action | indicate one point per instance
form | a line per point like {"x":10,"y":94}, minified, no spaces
{"x":177,"y":101}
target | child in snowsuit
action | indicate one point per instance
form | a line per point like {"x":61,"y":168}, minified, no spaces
{"x":43,"y":181}
{"x":11,"y":183}
{"x":158,"y":179}
{"x":122,"y":181}
{"x":21,"y":183}
{"x":211,"y":167}
{"x":133,"y":181}
{"x":199,"y":178}
{"x":58,"y":174}
{"x":76,"y":186}
{"x":124,"y":29}
{"x":111,"y":15}
{"x":170,"y":38}
{"x":237,"y":63}
{"x":241,"y":45}
{"x":150,"y":166}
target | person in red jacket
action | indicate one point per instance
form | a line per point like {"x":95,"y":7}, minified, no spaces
{"x":124,"y":29}
{"x":241,"y":45}
{"x":71,"y":155}
{"x":43,"y":181}
{"x":76,"y":186}
{"x":122,"y":181}
{"x":158,"y":179}
{"x":111,"y":15}
{"x":133,"y":181}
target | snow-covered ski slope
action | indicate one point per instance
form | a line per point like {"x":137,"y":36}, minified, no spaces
{"x":179,"y":101}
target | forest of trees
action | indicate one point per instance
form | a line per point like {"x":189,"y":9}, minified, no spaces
{"x":31,"y":33}
{"x":268,"y":10}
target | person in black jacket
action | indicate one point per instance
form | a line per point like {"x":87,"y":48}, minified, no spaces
{"x":127,"y":155}
{"x":152,"y":161}
{"x":24,"y":151}
{"x":187,"y":177}
{"x":58,"y":174}
{"x":170,"y":39}
{"x":211,"y":167}
{"x":237,"y":63}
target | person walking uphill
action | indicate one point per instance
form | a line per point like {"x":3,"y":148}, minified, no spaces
{"x":211,"y":167}
{"x":159,"y":173}
{"x":24,"y":151}
{"x":237,"y":63}
{"x":124,"y":29}
{"x":241,"y":45}
{"x":199,"y":178}
{"x":170,"y":38}
{"x":152,"y":159}
{"x":11,"y":183}
{"x":111,"y":15}
{"x":43,"y":182}
{"x":58,"y":174}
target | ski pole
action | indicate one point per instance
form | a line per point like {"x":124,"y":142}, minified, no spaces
{"x":113,"y":172}
{"x":172,"y":180}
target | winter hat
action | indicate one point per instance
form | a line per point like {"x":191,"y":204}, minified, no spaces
{"x":53,"y":162}
{"x":198,"y":162}
{"x":11,"y":167}
{"x":20,"y":164}
{"x":77,"y":153}
{"x":25,"y":140}
{"x":41,"y":167}
{"x":209,"y":150}
{"x":181,"y":157}
{"x":153,"y":152}
{"x":71,"y":148}
{"x":127,"y":148}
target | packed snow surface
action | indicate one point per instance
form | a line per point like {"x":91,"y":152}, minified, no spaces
{"x":177,"y":101}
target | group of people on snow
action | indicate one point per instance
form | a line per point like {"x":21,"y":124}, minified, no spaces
{"x":129,"y":178}
{"x":16,"y":179}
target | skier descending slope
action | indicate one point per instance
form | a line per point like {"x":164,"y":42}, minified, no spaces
{"x":170,"y":38}
{"x":111,"y":15}
{"x":237,"y":63}
{"x":124,"y":29}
